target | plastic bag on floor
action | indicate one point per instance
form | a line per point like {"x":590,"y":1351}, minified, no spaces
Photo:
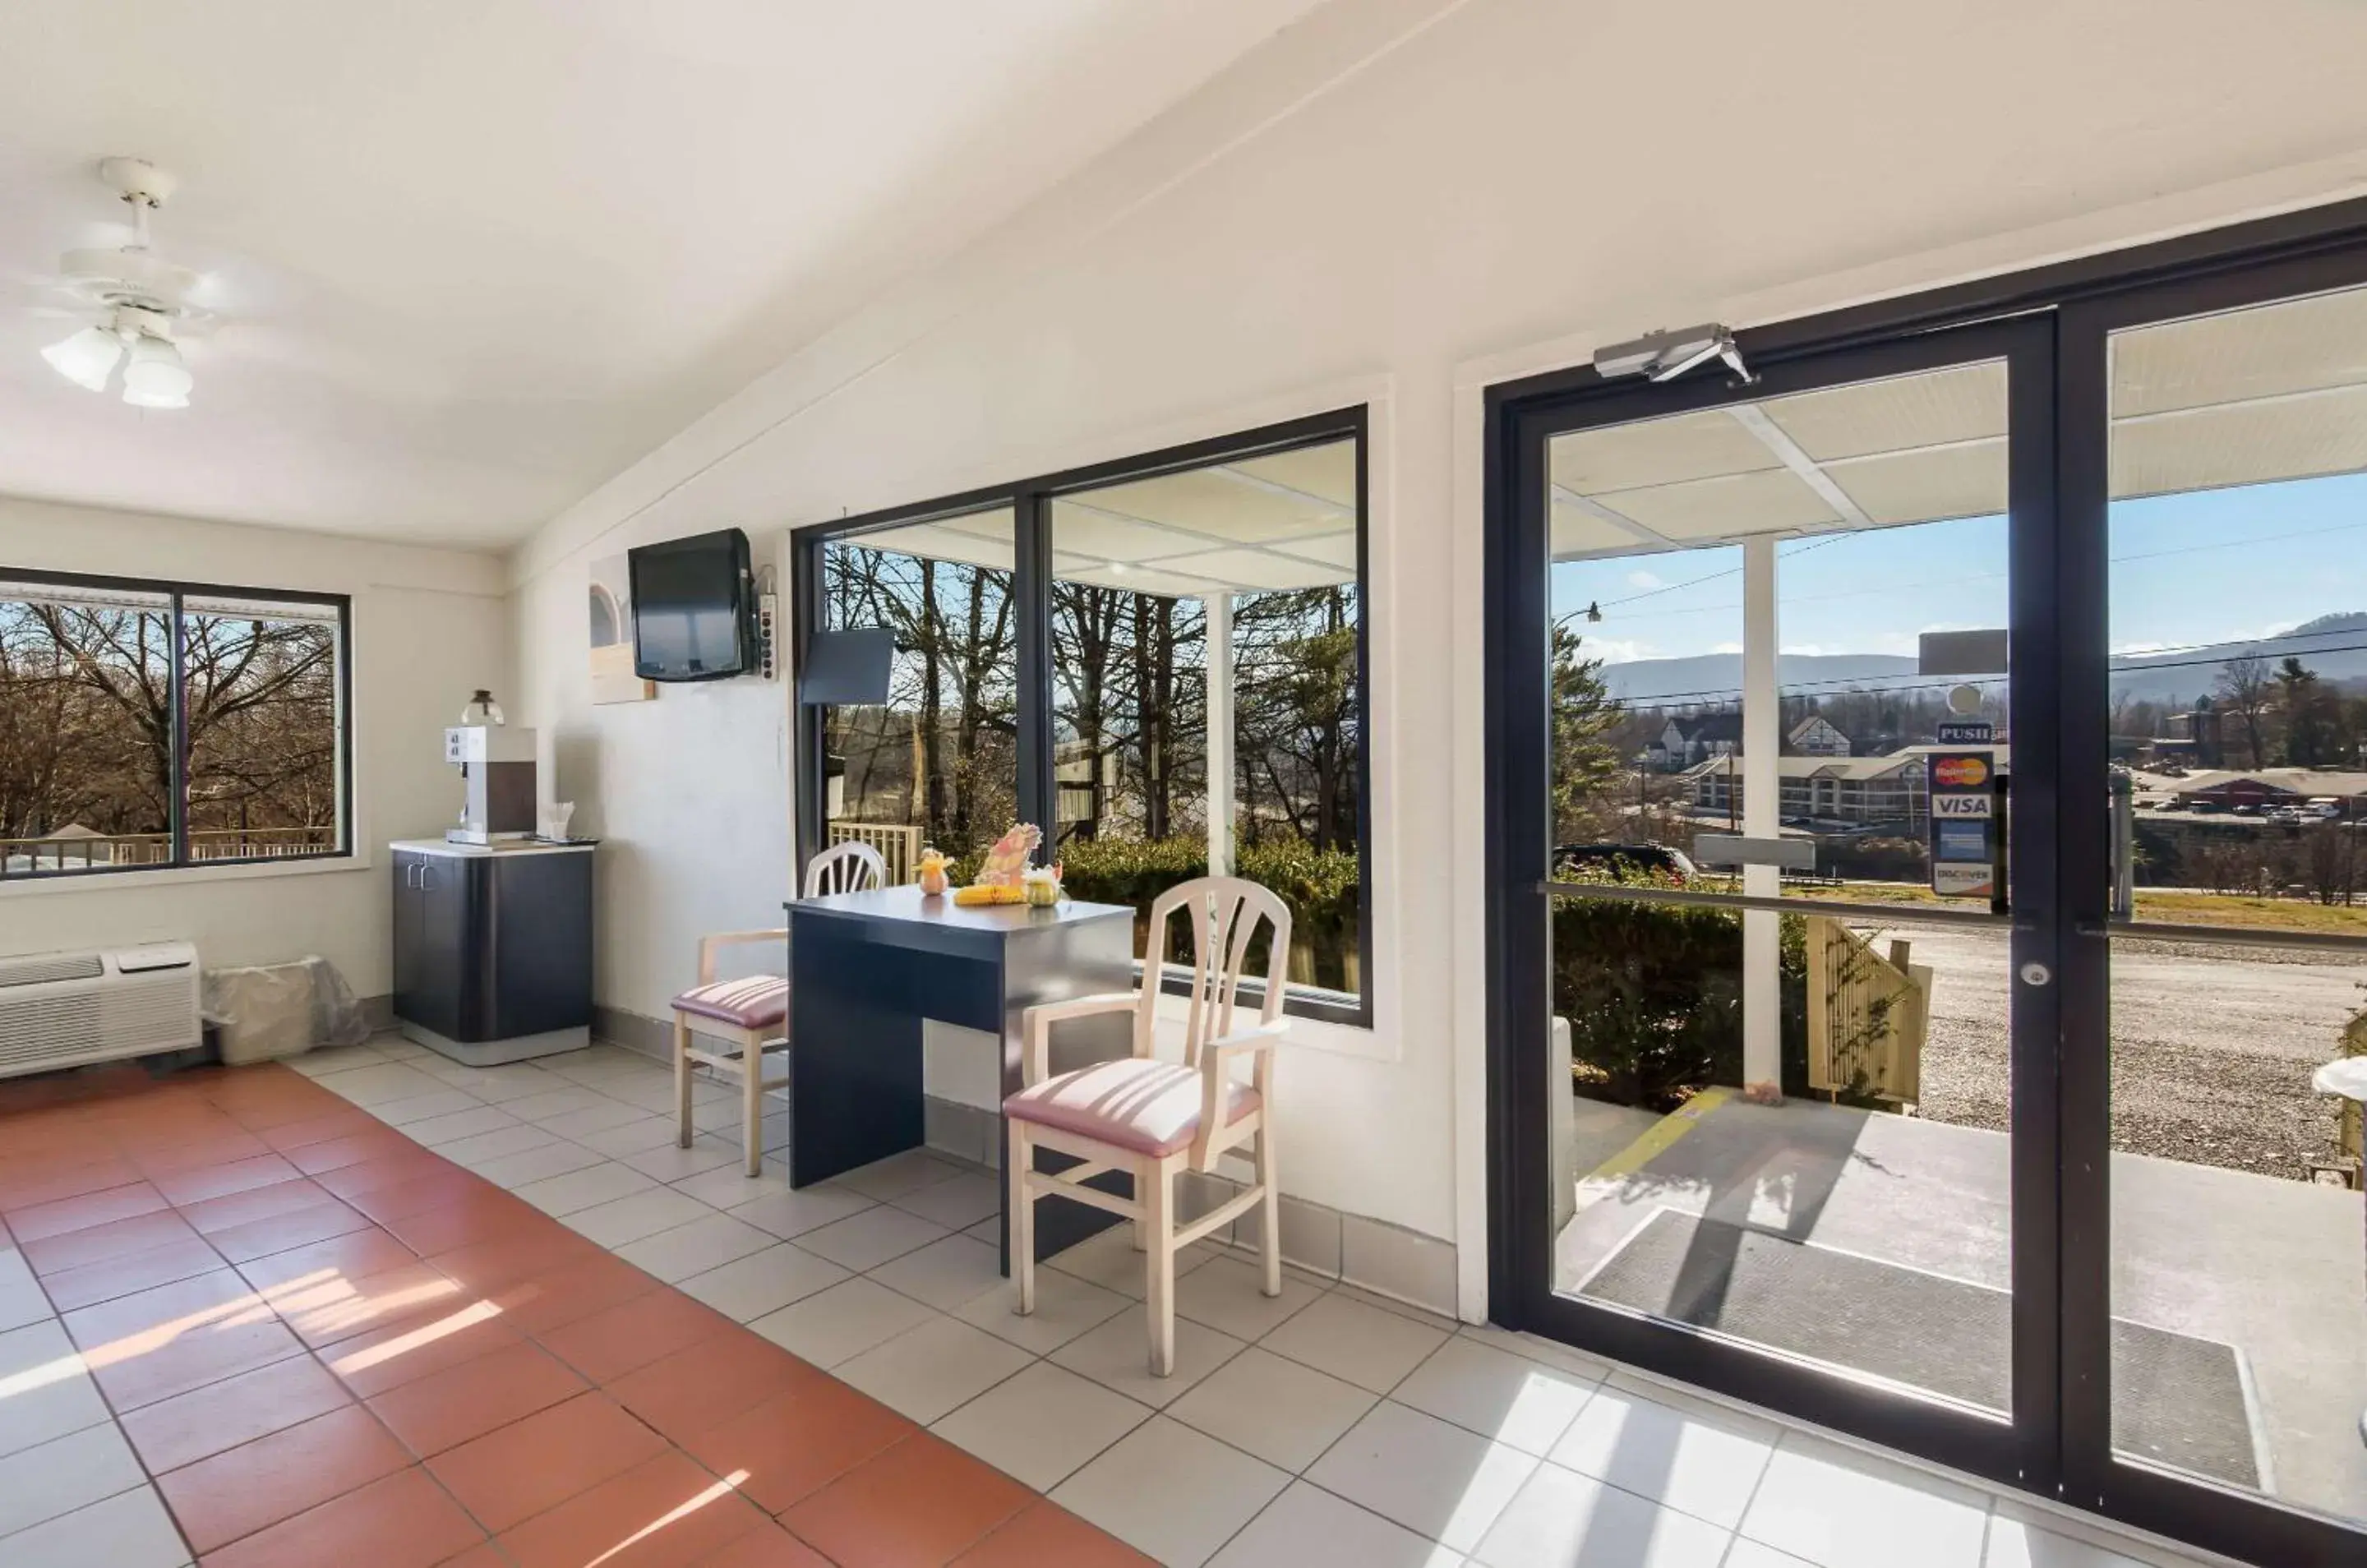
{"x":282,"y":1009}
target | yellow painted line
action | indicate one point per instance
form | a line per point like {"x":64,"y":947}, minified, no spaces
{"x":1660,"y":1136}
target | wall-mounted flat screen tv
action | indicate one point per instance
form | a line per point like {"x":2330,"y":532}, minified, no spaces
{"x":693,"y":609}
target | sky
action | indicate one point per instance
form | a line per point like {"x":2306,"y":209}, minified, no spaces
{"x":2207,"y":567}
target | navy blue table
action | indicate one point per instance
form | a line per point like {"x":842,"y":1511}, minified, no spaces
{"x":867,"y":968}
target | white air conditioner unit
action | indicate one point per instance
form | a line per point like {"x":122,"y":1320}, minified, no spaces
{"x":62,"y":1010}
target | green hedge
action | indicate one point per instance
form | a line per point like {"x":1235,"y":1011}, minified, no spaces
{"x":1653,"y":993}
{"x":1318,"y":887}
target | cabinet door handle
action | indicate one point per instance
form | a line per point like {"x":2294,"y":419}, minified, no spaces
{"x":424,"y":870}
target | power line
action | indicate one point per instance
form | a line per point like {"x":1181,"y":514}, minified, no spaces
{"x":1708,"y":577}
{"x":2245,"y":543}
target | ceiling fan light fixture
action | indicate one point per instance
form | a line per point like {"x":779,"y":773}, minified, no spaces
{"x":87,"y":358}
{"x":156,"y":377}
{"x":140,"y":296}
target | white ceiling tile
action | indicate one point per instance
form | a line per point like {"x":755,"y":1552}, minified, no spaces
{"x":2295,"y":345}
{"x":1727,"y":507}
{"x":1080,"y":528}
{"x":1655,"y":452}
{"x":2242,"y":444}
{"x":932,"y":541}
{"x":1925,"y":486}
{"x":1145,"y":579}
{"x":1964,"y":402}
{"x":1221,"y":505}
{"x":1332,"y":549}
{"x":1250,"y":569}
{"x":1578,"y":532}
{"x":1328,"y":472}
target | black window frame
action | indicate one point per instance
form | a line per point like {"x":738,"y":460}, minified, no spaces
{"x":2075,"y":306}
{"x":178,"y":592}
{"x":1030,"y":504}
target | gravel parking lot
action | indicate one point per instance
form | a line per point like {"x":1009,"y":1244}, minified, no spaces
{"x":2211,"y":1046}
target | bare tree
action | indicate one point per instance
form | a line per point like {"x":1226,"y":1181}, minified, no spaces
{"x":2245,"y":689}
{"x":92,"y":724}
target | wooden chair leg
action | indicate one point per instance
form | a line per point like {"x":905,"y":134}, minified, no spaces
{"x":1156,"y":1178}
{"x":752,"y":1120}
{"x":681,"y":1081}
{"x":1270,"y":1212}
{"x":1020,"y":1205}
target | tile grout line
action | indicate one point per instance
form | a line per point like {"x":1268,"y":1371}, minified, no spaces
{"x":114,"y":1416}
{"x":918,"y":1428}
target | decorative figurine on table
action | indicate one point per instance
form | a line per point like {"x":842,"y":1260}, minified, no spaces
{"x":933,"y":864}
{"x":1043,"y":885}
{"x":999,"y":874}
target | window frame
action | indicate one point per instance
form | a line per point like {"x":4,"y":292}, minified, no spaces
{"x":2075,"y":304}
{"x":1030,"y":503}
{"x":178,"y":592}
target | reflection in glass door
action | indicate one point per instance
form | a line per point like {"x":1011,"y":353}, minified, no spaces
{"x":2238,"y":949}
{"x":1782,"y":738}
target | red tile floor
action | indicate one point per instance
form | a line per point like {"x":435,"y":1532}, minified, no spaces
{"x":327,"y":1345}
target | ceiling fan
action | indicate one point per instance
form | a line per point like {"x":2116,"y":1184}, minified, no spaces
{"x":138,"y":298}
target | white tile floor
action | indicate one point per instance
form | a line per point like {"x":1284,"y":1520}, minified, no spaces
{"x":1328,"y":1426}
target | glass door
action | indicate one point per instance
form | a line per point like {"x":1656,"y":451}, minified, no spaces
{"x":1784,"y":915}
{"x":2231,"y":984}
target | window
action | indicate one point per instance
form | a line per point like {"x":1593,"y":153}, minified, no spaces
{"x":1198,"y":618}
{"x":147,"y":726}
{"x":937,"y":764}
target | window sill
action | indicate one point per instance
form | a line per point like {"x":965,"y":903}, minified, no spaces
{"x":177,"y":876}
{"x":1339,"y":1022}
{"x":1303,"y":1001}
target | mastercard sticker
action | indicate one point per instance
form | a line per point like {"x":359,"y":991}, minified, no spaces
{"x":1959,"y":773}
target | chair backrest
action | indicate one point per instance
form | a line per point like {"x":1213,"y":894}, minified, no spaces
{"x":1225,"y":912}
{"x":850,"y":867}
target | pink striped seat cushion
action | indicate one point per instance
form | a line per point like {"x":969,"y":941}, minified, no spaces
{"x":1148,"y":1107}
{"x":759,"y":1001}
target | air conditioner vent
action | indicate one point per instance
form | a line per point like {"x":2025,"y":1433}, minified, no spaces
{"x":39,"y":968}
{"x":62,"y":1010}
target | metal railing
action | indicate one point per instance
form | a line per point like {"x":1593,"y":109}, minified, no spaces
{"x":898,"y":844}
{"x":114,"y":852}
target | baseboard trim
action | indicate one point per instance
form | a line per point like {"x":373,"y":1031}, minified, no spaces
{"x":1387,"y":1260}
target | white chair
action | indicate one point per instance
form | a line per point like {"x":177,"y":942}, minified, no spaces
{"x":750,"y":1014}
{"x":1153,"y":1118}
{"x":850,"y":867}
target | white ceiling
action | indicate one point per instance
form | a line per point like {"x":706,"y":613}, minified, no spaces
{"x":2245,"y":397}
{"x":472,"y":257}
{"x":1282,"y":520}
{"x":1869,"y":454}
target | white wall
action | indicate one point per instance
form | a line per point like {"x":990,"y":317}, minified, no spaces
{"x":428,"y":626}
{"x":1393,"y":203}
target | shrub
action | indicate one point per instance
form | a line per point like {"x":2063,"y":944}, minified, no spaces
{"x":1318,"y":887}
{"x":1653,"y":993}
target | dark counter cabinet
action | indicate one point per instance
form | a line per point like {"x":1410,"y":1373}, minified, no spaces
{"x":492,"y":949}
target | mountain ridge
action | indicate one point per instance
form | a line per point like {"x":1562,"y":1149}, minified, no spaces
{"x":2171,"y":675}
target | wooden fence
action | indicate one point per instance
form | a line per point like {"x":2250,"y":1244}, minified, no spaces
{"x":100,"y":851}
{"x":1867,"y":1015}
{"x":898,"y":844}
